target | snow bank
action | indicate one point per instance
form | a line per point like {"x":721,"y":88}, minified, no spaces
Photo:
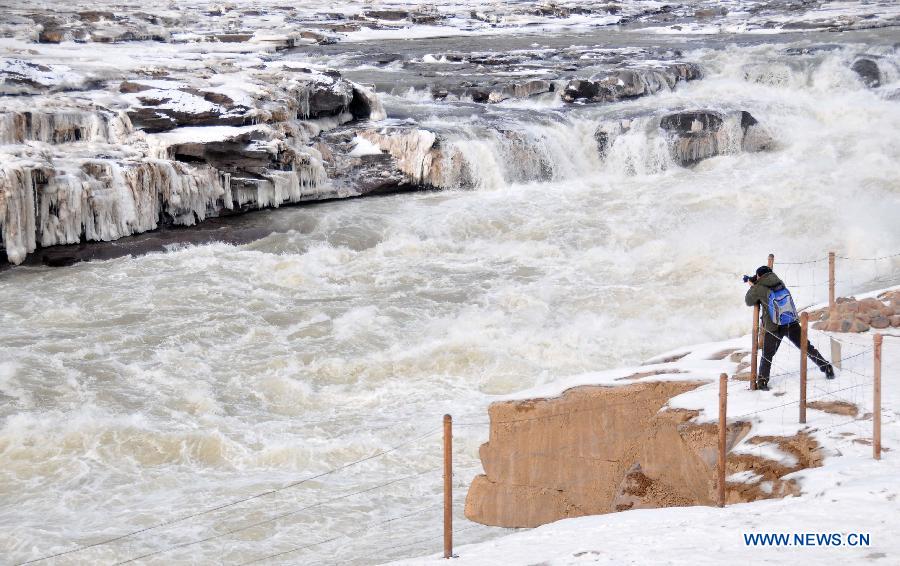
{"x":850,"y":494}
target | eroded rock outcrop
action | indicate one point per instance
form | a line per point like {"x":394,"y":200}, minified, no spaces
{"x":18,"y":76}
{"x":63,"y":125}
{"x":450,"y":159}
{"x":624,"y":83}
{"x":598,"y":450}
{"x":684,"y":138}
{"x":497,"y":92}
{"x":697,"y":135}
{"x":164,"y":151}
{"x":100,"y":200}
{"x":160,"y":105}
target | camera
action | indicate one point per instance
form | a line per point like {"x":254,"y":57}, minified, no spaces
{"x":749,"y":278}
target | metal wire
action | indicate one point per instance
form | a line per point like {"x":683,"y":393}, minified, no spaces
{"x":868,"y":258}
{"x":233,"y":503}
{"x":779,"y":262}
{"x":342,"y":535}
{"x":271,"y":519}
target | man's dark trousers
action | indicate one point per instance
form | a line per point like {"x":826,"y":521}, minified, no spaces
{"x":772,"y":341}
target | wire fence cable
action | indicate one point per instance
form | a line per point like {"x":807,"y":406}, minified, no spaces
{"x":232,"y":503}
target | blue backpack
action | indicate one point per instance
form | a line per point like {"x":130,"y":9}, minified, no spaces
{"x":781,"y":306}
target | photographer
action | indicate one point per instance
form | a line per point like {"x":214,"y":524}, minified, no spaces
{"x":779,"y":319}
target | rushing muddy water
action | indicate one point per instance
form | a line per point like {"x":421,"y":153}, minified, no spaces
{"x":140,"y":390}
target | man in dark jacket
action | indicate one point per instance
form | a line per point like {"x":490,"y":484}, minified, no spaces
{"x":760,"y":286}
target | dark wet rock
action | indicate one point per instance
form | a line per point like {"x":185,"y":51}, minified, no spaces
{"x":580,"y":89}
{"x":697,"y":135}
{"x":343,"y":27}
{"x":868,"y":71}
{"x":232,"y":37}
{"x":51,"y":34}
{"x":364,"y":105}
{"x":329,"y":99}
{"x":624,"y":83}
{"x":554,"y":11}
{"x":812,"y":49}
{"x":243,"y":153}
{"x":426,"y":18}
{"x":389,"y":15}
{"x":388,"y":58}
{"x":211,"y":231}
{"x":689,"y":123}
{"x":129,"y":87}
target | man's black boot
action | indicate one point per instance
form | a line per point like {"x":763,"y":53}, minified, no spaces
{"x":829,"y":371}
{"x":762,"y":384}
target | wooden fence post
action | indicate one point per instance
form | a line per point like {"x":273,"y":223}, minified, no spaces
{"x":876,"y":401}
{"x":754,"y":348}
{"x":804,"y":347}
{"x":723,"y":425}
{"x":831,"y":299}
{"x":448,"y":486}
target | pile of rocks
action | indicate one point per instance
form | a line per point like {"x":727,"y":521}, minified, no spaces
{"x":852,"y":315}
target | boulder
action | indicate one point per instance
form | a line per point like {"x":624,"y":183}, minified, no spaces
{"x":328,"y":98}
{"x":580,"y":89}
{"x":880,"y":322}
{"x":868,"y":71}
{"x":700,"y":134}
{"x":692,"y":123}
{"x":51,"y":35}
{"x":869,"y":304}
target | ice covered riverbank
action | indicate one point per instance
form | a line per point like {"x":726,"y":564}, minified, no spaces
{"x":174,"y":117}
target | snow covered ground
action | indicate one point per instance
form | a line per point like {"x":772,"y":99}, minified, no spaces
{"x":850,"y":495}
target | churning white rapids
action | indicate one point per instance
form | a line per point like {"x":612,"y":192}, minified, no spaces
{"x":139,"y":391}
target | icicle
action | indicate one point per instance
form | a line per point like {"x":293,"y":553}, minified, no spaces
{"x":17,"y":211}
